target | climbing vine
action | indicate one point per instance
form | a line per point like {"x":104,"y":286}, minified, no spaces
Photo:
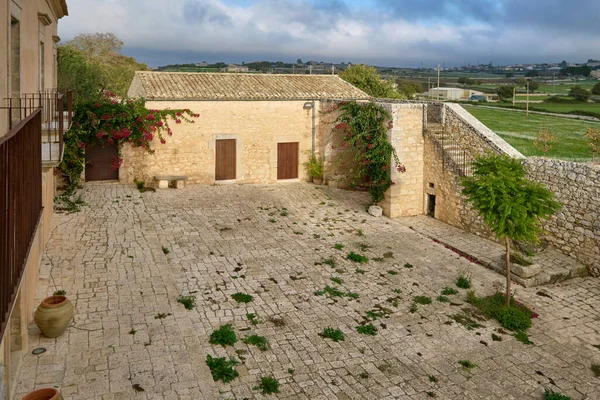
{"x":364,"y":127}
{"x":109,"y":121}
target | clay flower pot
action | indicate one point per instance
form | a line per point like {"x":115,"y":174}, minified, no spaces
{"x":44,"y":394}
{"x":54,"y":315}
{"x":318,"y":181}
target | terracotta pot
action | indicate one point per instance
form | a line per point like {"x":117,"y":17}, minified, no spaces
{"x":54,"y":315}
{"x":318,"y":181}
{"x":44,"y":394}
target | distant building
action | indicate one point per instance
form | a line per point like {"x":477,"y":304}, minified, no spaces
{"x":236,"y":68}
{"x":202,"y":64}
{"x":460,"y":94}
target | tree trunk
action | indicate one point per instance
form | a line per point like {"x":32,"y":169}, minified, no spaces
{"x":507,"y":240}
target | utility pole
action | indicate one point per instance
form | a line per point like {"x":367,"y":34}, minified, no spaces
{"x":310,"y":69}
{"x":438,"y":89}
{"x":528,"y":97}
{"x":514,"y":94}
{"x":554,"y":83}
{"x":429,"y":87}
{"x":332,"y":69}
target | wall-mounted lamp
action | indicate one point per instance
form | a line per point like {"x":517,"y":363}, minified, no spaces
{"x":308,"y":105}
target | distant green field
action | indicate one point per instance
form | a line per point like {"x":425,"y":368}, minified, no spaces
{"x":552,"y":107}
{"x":520,"y":130}
{"x":565,"y":87}
{"x":536,"y":97}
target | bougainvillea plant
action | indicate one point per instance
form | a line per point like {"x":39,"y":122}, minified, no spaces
{"x":109,"y":121}
{"x":364,"y":127}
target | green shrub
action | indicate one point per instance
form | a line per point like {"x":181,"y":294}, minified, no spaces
{"x":443,"y":299}
{"x":463,"y":281}
{"x":334,"y":334}
{"x":359,"y":258}
{"x":515,"y":317}
{"x":242,"y":297}
{"x":259,"y":341}
{"x":552,"y":395}
{"x":59,"y":292}
{"x":422,"y":300}
{"x":449,"y":291}
{"x":367,"y":329}
{"x":222,"y":368}
{"x":189,"y":302}
{"x":268,"y":385}
{"x":225,"y":336}
{"x":467,"y":365}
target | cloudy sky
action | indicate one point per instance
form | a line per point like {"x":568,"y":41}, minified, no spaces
{"x":382,"y":32}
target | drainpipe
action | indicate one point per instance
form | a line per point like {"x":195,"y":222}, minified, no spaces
{"x":313,"y":127}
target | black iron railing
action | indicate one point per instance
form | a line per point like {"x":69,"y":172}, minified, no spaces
{"x":20,"y":204}
{"x":56,"y":117}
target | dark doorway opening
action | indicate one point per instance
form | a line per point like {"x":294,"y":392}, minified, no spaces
{"x":431,"y":205}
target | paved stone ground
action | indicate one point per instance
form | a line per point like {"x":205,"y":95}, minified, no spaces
{"x":270,"y":241}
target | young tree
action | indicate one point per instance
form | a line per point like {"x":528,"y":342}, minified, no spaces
{"x":593,"y":139}
{"x":368,"y":80}
{"x":505,"y":92}
{"x":579,"y":93}
{"x":511,"y":204}
{"x":409,"y":88}
{"x":596,"y":89}
{"x":544,"y":140}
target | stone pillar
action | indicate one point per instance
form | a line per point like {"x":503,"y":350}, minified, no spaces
{"x":406,"y":196}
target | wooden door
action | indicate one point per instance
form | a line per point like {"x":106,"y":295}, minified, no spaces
{"x":287,"y":160}
{"x":225,"y":159}
{"x":98,"y":163}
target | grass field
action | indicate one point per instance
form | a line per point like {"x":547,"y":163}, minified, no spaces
{"x":552,"y":107}
{"x":565,"y":87}
{"x":520,"y":131}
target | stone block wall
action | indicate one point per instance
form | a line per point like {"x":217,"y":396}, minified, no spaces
{"x":256,"y":125}
{"x":575,"y":229}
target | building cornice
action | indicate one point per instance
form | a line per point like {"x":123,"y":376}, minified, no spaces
{"x":60,"y":8}
{"x":44,"y":19}
{"x":56,"y":38}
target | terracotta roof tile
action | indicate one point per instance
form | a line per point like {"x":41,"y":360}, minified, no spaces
{"x":211,"y":86}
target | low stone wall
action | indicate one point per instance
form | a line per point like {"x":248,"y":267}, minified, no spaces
{"x":473,"y":134}
{"x":575,"y":229}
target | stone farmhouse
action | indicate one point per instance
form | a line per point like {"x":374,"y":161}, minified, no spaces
{"x":253,"y":128}
{"x":33,"y":119}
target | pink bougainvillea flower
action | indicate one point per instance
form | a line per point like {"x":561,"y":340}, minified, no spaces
{"x":106,"y":116}
{"x":401,"y":168}
{"x":98,"y":105}
{"x":117,"y":162}
{"x":81,"y":145}
{"x":148,"y":136}
{"x":342,"y":126}
{"x":371,"y":145}
{"x":99,"y":134}
{"x":178,"y":114}
{"x":159,"y":123}
{"x":196,"y":115}
{"x":163,"y":141}
{"x":150,"y":117}
{"x":170,"y":132}
{"x":177,"y":121}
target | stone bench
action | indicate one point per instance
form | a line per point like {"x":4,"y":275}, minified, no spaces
{"x":163,"y":181}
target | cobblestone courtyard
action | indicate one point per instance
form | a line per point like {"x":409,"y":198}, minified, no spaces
{"x":131,"y":339}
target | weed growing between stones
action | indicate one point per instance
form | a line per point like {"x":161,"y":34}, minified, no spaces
{"x":161,"y":315}
{"x":259,"y":341}
{"x":443,"y":299}
{"x":330,"y":261}
{"x":467,"y":365}
{"x":337,"y":279}
{"x":189,"y":302}
{"x":550,"y":394}
{"x":398,"y":291}
{"x":359,"y":258}
{"x":267,"y":385}
{"x":334,"y":292}
{"x":392,"y":272}
{"x":360,"y":271}
{"x":59,"y":292}
{"x":284,"y":213}
{"x":596,"y":370}
{"x":515,"y":317}
{"x":463,"y":281}
{"x":448,"y":291}
{"x":242,"y":297}
{"x":334,"y":334}
{"x":431,"y":394}
{"x":359,"y":232}
{"x":522,"y":337}
{"x":424,"y":300}
{"x":433,"y":379}
{"x":291,"y":371}
{"x":132,"y":331}
{"x":253,"y":318}
{"x":466,"y":320}
{"x":409,"y":266}
{"x":277,"y":321}
{"x":369,"y":329}
{"x":165,"y":250}
{"x":222,"y":368}
{"x":338,"y":246}
{"x":496,"y":338}
{"x":225,"y":336}
{"x":413,"y":308}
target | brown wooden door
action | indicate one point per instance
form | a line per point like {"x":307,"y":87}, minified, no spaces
{"x":98,"y":163}
{"x":225,"y":159}
{"x":287,"y":160}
